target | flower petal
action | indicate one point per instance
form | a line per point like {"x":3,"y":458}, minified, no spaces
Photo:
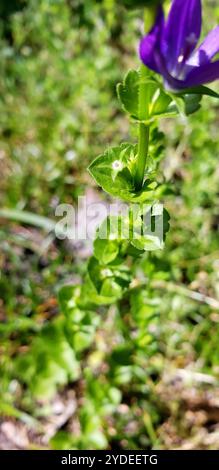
{"x":206,"y":50}
{"x":171,"y":82}
{"x":151,"y":42}
{"x":182,"y":32}
{"x":204,"y":74}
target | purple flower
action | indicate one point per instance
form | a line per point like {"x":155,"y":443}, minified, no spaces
{"x":170,"y":47}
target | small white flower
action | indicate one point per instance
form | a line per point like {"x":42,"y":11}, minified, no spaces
{"x":117,"y":165}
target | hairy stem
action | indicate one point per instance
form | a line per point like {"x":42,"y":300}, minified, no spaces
{"x":143,"y":139}
{"x":142,"y":155}
{"x":143,"y":104}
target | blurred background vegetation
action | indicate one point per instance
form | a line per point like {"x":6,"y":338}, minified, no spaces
{"x":136,"y":376}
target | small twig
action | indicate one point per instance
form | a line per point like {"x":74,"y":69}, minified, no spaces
{"x":198,"y":377}
{"x":194,"y":295}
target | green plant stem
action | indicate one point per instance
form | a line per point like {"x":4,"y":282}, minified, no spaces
{"x":142,"y":155}
{"x":144,"y":131}
{"x":143,"y":139}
